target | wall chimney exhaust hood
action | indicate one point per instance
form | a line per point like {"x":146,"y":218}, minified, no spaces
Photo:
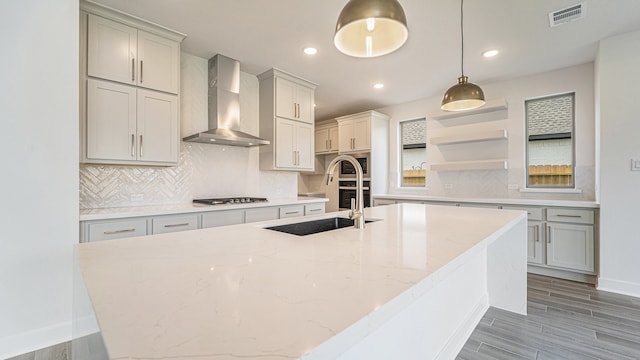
{"x":224,"y":107}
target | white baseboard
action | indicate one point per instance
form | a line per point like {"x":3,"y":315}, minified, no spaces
{"x":462,"y":334}
{"x":22,"y":343}
{"x":619,"y":286}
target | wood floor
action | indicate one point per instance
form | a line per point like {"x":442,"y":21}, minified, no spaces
{"x":566,"y":320}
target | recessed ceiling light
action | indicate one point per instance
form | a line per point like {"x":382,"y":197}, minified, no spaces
{"x":378,"y":86}
{"x":490,"y":53}
{"x":310,"y":50}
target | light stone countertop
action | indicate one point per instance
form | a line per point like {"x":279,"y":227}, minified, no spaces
{"x":245,"y":291}
{"x":497,"y":201}
{"x":156,"y":210}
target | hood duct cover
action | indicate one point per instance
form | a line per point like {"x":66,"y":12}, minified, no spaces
{"x":224,"y":107}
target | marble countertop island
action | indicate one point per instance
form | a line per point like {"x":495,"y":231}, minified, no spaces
{"x":411,"y":285}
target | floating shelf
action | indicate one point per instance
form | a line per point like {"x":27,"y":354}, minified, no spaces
{"x":499,"y":164}
{"x":467,"y":138}
{"x":489,"y":106}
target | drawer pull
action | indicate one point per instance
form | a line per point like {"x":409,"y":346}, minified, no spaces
{"x":291,"y":212}
{"x":537,"y":233}
{"x":548,"y":234}
{"x":176,"y":225}
{"x":569,"y":216}
{"x":120,"y":231}
{"x":312,"y":210}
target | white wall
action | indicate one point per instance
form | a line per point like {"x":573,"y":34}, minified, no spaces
{"x":39,"y":192}
{"x":494,"y":183}
{"x":617,"y":77}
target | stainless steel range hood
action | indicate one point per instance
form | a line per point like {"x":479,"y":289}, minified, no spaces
{"x":224,"y":107}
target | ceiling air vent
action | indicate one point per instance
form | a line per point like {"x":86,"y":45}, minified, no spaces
{"x":573,"y":12}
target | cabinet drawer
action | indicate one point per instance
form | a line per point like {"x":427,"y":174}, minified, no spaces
{"x":221,"y":218}
{"x":261,"y":214}
{"x":117,"y":229}
{"x":291,"y":211}
{"x":577,"y":216}
{"x":168,"y":224}
{"x":533,"y":213}
{"x":314,"y":209}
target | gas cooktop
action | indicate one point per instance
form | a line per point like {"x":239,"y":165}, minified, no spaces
{"x":230,"y":200}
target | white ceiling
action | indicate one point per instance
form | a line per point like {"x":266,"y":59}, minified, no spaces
{"x":263,"y":34}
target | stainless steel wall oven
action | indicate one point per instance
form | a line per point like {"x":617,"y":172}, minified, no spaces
{"x":347,"y":191}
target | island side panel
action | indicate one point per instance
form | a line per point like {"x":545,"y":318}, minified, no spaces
{"x":507,"y":270}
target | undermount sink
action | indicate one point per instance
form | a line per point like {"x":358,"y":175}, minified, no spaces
{"x":315,"y":226}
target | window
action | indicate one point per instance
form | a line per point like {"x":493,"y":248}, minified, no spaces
{"x":550,"y":145}
{"x":413,"y":150}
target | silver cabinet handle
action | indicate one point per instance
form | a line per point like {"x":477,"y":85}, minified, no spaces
{"x":330,"y":145}
{"x":140,"y":71}
{"x":291,"y":212}
{"x":133,"y":145}
{"x":537,"y":233}
{"x":314,"y":210}
{"x":294,"y":110}
{"x":569,"y":216}
{"x":548,"y":234}
{"x":133,"y":70}
{"x":120,"y":231}
{"x":176,"y":225}
{"x":141,"y":146}
{"x":326,"y":144}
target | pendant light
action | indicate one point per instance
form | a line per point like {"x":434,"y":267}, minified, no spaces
{"x":370,"y":28}
{"x":463,"y":95}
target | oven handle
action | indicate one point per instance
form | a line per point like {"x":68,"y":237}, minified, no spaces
{"x":365,"y":188}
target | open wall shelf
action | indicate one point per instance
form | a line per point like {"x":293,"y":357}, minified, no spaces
{"x":467,"y":138}
{"x":489,"y":106}
{"x":498,"y":164}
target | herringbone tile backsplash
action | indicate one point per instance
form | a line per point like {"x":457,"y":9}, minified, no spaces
{"x":204,"y":170}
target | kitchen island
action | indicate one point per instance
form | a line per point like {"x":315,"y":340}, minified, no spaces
{"x":411,"y":285}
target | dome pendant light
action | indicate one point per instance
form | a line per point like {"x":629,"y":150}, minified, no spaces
{"x":463,"y":95}
{"x":370,"y":28}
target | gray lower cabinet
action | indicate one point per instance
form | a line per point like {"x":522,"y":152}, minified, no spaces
{"x":262,"y":214}
{"x":174,"y":223}
{"x":115,"y":229}
{"x":97,"y":230}
{"x":221,"y":218}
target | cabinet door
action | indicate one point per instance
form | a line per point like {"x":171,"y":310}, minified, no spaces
{"x":285,"y":143}
{"x":158,"y":62}
{"x":304,"y":146}
{"x":111,"y":50}
{"x":157,"y":127}
{"x":291,"y":211}
{"x":221,"y":218}
{"x":333,"y":139}
{"x":116,"y":229}
{"x":304,"y":99}
{"x":534,"y":242}
{"x":262,"y":214}
{"x":570,"y":246}
{"x":111,"y":121}
{"x":345,"y":134}
{"x":362,"y":135}
{"x":285,"y":99}
{"x":174,"y":223}
{"x":322,"y":141}
{"x":314,"y":209}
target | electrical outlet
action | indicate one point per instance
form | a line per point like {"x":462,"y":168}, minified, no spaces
{"x":136,"y":197}
{"x":635,"y":165}
{"x":448,"y":186}
{"x":512,"y":186}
